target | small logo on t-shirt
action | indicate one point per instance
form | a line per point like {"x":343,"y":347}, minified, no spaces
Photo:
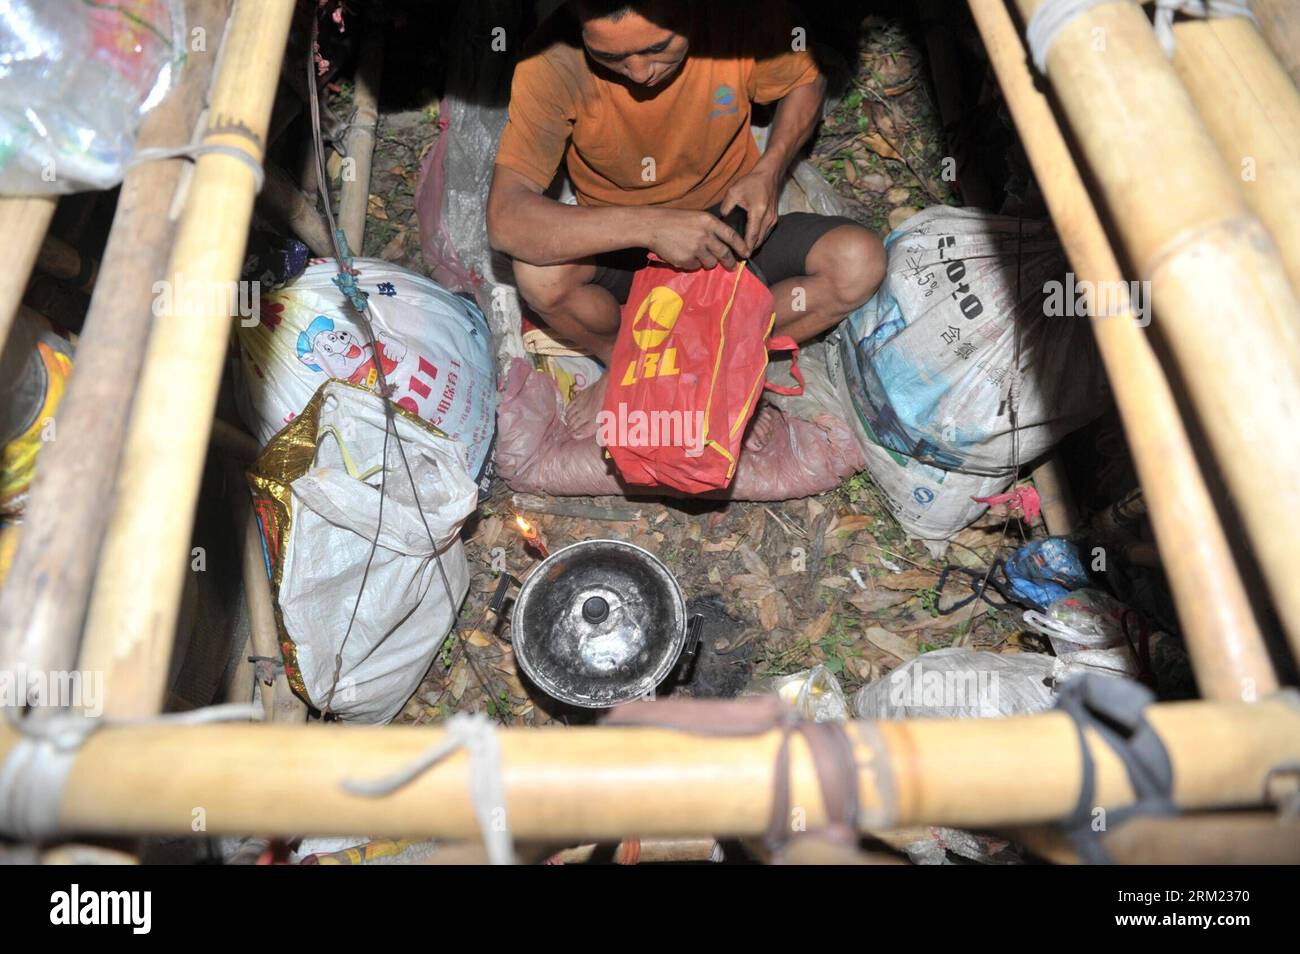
{"x":724,"y":101}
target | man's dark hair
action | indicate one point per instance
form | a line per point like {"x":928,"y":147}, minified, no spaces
{"x":659,"y":12}
{"x":605,"y":9}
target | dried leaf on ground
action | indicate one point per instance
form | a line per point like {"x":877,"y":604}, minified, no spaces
{"x":819,"y":627}
{"x":880,"y":146}
{"x":752,"y":561}
{"x":890,"y":643}
{"x":862,"y":667}
{"x":769,"y":611}
{"x":908,"y":580}
{"x":851,"y":523}
{"x":879,"y":600}
{"x":459,"y":680}
{"x":490,"y":532}
{"x":899,"y":216}
{"x":922,"y":621}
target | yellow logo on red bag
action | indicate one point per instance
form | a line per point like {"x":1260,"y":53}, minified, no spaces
{"x":654,"y":322}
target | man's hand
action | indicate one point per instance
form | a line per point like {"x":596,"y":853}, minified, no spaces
{"x":692,"y":240}
{"x":756,"y":193}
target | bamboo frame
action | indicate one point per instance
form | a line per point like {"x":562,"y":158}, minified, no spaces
{"x":1060,"y":514}
{"x":354,"y":192}
{"x":1227,"y":650}
{"x":1279,"y":21}
{"x":596,"y":784}
{"x":24,"y":221}
{"x":1187,"y":230}
{"x":600,"y":783}
{"x":132,"y":618}
{"x":1252,"y":109}
{"x":640,"y":851}
{"x":279,"y":702}
{"x":1219,"y":838}
{"x":43,"y":603}
{"x":295,"y":209}
{"x":56,"y":257}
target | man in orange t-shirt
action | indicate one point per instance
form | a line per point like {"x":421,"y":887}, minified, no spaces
{"x":647,"y":104}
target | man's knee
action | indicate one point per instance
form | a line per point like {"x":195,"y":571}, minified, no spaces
{"x":545,"y":287}
{"x":852,"y":259}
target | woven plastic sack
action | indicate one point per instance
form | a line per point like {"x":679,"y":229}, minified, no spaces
{"x":434,"y":348}
{"x":933,"y":352}
{"x":546,"y":446}
{"x":929,"y":503}
{"x":316,"y":492}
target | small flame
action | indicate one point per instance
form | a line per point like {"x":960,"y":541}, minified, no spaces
{"x":524,"y":526}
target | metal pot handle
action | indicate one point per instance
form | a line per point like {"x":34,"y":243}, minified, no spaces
{"x":694,"y":632}
{"x":499,"y":597}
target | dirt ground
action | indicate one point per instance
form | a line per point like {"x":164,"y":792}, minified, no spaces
{"x":829,"y":580}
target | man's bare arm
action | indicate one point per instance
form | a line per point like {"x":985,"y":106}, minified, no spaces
{"x":528,"y":226}
{"x":758,"y":191}
{"x":531,"y":228}
{"x":796,"y":117}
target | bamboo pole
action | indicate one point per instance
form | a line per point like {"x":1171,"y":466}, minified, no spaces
{"x":1232,"y":838}
{"x":279,"y":702}
{"x":1217,"y":838}
{"x":1226,"y":308}
{"x":1060,"y":515}
{"x":291,"y":206}
{"x":23,"y":223}
{"x":354,"y":194}
{"x":1252,"y":109}
{"x":639,"y":851}
{"x":1227,"y":650}
{"x":56,"y":257}
{"x":594,"y":783}
{"x":132,"y":617}
{"x":1279,"y":21}
{"x":43,"y":604}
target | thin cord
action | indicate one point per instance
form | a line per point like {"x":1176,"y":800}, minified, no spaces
{"x":1013,"y":404}
{"x":390,"y":424}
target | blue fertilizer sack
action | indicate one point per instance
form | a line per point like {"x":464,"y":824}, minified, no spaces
{"x":935,"y":350}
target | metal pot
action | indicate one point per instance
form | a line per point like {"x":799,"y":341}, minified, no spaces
{"x":599,"y":623}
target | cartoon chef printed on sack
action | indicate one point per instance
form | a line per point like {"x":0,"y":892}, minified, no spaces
{"x":338,"y":353}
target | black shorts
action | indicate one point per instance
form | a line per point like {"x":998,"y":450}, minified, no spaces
{"x":782,"y":255}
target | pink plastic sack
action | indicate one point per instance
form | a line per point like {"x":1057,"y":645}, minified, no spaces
{"x":545,"y":447}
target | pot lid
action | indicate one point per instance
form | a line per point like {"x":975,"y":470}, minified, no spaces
{"x":599,"y":623}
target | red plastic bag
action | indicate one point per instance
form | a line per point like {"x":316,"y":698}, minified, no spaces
{"x":688,"y":367}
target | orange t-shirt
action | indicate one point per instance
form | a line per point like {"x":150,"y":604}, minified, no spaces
{"x":682,"y":147}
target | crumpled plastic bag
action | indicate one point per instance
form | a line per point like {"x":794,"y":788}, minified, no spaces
{"x":79,"y":78}
{"x":1087,"y":631}
{"x":815,"y":694}
{"x":959,"y":683}
{"x":316,"y":490}
{"x":545,"y":447}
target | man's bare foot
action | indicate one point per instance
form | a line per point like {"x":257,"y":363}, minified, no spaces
{"x":761,"y":428}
